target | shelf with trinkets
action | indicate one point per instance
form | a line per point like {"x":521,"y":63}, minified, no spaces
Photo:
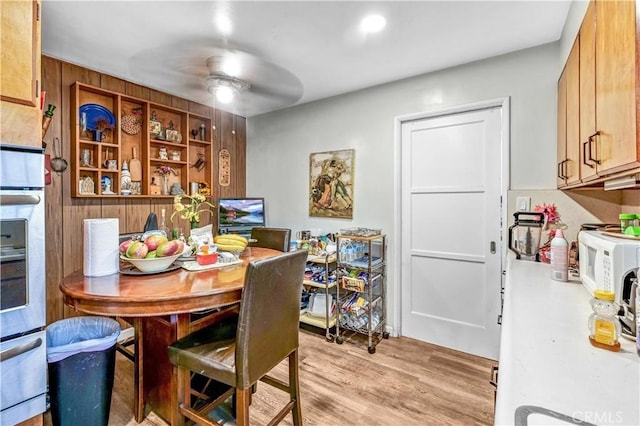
{"x":125,"y":146}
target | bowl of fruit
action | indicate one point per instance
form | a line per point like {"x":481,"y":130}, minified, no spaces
{"x":155,"y":254}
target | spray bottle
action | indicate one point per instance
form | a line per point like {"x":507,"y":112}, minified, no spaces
{"x":559,"y":257}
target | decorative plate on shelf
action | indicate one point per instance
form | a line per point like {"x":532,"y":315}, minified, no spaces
{"x":95,"y":113}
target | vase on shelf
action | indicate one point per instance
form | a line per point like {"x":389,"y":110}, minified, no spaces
{"x":165,"y":185}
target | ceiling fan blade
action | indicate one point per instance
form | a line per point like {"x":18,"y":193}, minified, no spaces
{"x":185,"y":71}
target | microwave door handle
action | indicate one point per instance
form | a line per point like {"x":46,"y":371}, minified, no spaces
{"x":19,"y":199}
{"x":19,"y":350}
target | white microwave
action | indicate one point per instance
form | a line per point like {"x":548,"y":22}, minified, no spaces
{"x":606,"y":260}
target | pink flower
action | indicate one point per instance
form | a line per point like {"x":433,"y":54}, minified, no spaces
{"x":549,"y":210}
{"x":165,"y":170}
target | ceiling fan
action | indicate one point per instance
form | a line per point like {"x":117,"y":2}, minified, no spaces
{"x":198,"y":72}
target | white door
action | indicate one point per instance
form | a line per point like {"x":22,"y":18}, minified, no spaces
{"x":451,"y":183}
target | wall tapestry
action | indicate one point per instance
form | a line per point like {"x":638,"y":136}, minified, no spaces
{"x":331,"y":184}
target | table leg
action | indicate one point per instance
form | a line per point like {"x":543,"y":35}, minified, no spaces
{"x":181,"y":380}
{"x":138,"y":392}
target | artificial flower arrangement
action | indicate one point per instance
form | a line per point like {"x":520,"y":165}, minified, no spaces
{"x":191,"y":209}
{"x":165,"y":170}
{"x":551,"y":224}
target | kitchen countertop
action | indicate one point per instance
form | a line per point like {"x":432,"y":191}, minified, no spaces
{"x":546,"y":359}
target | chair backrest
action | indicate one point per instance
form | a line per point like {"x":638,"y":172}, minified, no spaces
{"x":273,"y":238}
{"x":269,"y":315}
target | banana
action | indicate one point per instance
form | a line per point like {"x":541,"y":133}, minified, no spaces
{"x":229,"y":241}
{"x":232,"y":237}
{"x":230,"y":247}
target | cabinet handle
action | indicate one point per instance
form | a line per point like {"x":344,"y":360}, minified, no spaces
{"x":562,"y":169}
{"x":591,"y":139}
{"x":586,"y":147}
{"x":584,"y":153}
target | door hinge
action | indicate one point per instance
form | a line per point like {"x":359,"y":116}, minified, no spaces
{"x":37,"y":12}
{"x":499,"y":319}
{"x":37,"y":88}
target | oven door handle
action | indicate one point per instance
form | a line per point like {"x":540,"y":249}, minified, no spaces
{"x":19,"y":199}
{"x":19,"y":350}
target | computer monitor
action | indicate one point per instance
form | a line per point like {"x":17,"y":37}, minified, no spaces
{"x":240,"y":215}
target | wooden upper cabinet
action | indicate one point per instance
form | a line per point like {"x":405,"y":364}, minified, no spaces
{"x":568,"y":117}
{"x":587,"y":38}
{"x":21,"y":118}
{"x":602,"y":100}
{"x":562,"y":129}
{"x":20,"y":52}
{"x":616,"y":145}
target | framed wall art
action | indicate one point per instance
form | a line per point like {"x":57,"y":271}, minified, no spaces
{"x":331,"y":184}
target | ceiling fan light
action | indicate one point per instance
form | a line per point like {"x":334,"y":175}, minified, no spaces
{"x":224,"y":94}
{"x":372,"y":24}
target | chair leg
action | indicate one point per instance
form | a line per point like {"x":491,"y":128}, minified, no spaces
{"x":243,"y":399}
{"x":294,"y":388}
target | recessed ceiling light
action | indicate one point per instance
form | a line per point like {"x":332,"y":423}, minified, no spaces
{"x":372,"y":23}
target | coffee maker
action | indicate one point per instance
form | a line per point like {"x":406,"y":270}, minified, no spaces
{"x":628,"y":311}
{"x":524,"y":235}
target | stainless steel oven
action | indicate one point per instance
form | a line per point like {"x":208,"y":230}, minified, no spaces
{"x":23,"y":362}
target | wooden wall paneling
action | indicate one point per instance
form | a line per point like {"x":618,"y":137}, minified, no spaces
{"x":114,"y":208}
{"x":241,"y":156}
{"x":135,"y":90}
{"x":73,"y":210}
{"x":159,"y":97}
{"x":136,"y":212}
{"x":114,"y":84}
{"x":180,"y":103}
{"x":199,"y":109}
{"x":54,"y":223}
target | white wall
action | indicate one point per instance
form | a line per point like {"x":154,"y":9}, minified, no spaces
{"x":279,"y":143}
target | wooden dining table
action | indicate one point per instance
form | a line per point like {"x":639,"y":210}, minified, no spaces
{"x":162,"y":307}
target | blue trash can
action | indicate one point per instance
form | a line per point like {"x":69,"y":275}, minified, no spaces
{"x":81,"y":359}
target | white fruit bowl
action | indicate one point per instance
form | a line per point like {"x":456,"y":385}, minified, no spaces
{"x":155,"y":264}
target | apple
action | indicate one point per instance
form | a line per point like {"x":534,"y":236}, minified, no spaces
{"x":169,"y":248}
{"x":124,"y":246}
{"x":137,"y":250}
{"x":151,"y":255}
{"x":153,"y":241}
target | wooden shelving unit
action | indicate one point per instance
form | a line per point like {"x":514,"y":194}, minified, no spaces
{"x":327,"y":287}
{"x":190,"y":156}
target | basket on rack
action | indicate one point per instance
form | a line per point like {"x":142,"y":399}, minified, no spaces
{"x":353,"y":284}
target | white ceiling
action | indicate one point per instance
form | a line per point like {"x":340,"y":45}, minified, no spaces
{"x":296,"y":51}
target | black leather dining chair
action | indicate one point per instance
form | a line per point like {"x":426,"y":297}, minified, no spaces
{"x":243,"y":349}
{"x":273,"y":238}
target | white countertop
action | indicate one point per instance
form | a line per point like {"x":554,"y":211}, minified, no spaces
{"x":546,"y":359}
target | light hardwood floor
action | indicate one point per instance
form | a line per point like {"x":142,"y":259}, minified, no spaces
{"x":404,"y":383}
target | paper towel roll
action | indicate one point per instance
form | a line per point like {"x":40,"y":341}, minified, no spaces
{"x":101,"y":247}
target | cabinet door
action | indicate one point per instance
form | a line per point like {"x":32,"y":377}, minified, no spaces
{"x":20,"y":51}
{"x":568,"y":120}
{"x":572,"y":168}
{"x":587,"y":90}
{"x":562,"y":129}
{"x":616,"y":146}
{"x":21,"y":116}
